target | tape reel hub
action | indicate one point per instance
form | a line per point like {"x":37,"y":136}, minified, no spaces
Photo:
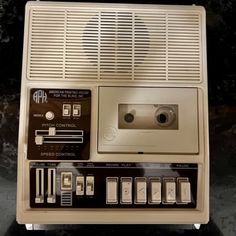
{"x":165,"y":116}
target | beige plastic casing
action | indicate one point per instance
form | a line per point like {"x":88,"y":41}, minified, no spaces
{"x":168,"y":78}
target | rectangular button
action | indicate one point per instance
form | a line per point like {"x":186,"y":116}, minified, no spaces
{"x":185,"y":192}
{"x":170,"y":191}
{"x":112,"y":190}
{"x":141,"y":190}
{"x":155,"y":191}
{"x":90,"y":185}
{"x":79,"y":185}
{"x":126,"y":190}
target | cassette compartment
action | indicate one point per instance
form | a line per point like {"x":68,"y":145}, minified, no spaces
{"x":148,"y":120}
{"x":148,"y":116}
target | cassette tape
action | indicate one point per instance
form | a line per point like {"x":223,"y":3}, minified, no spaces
{"x":148,"y":120}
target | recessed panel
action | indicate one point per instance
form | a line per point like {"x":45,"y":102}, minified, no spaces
{"x":59,"y":124}
{"x":148,"y":120}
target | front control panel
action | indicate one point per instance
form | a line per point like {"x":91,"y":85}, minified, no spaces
{"x":59,"y":124}
{"x":112,"y":185}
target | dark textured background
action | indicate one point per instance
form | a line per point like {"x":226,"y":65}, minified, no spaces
{"x":221,"y":53}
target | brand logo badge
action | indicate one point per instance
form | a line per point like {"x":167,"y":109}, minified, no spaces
{"x":40,"y":96}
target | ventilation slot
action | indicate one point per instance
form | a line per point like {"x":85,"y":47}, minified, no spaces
{"x":46,"y":44}
{"x":66,"y":198}
{"x":183,"y":47}
{"x":150,"y":46}
{"x":81,"y":52}
{"x":116,"y":45}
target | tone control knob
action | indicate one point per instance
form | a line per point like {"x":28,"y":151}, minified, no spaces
{"x":49,"y":115}
{"x":129,"y":117}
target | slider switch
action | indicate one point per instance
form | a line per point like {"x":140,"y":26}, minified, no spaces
{"x":80,"y":185}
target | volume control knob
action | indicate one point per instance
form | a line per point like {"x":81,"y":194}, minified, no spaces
{"x":49,"y":115}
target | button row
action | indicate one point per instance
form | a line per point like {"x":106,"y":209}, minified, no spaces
{"x":166,"y":191}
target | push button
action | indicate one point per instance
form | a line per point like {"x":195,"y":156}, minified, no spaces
{"x":141,"y":190}
{"x":169,"y":191}
{"x":112,"y":190}
{"x":155,"y":191}
{"x":184,"y":190}
{"x":126,"y":190}
{"x":49,"y":115}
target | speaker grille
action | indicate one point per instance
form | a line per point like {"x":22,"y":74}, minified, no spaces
{"x":67,"y":43}
{"x":116,"y":41}
{"x":81,"y":46}
{"x":46,"y":45}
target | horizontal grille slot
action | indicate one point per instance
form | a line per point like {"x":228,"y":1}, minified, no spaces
{"x":66,"y":198}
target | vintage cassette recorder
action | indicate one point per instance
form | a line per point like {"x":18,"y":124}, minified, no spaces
{"x":114,"y":115}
